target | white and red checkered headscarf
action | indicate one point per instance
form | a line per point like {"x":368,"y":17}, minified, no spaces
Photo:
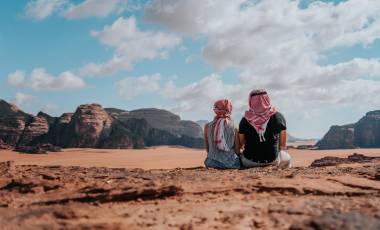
{"x":260,"y":111}
{"x":222,"y":109}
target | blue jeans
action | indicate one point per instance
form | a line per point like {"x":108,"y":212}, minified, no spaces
{"x":210,"y":163}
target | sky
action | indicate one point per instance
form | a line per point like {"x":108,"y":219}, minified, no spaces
{"x":318,"y":60}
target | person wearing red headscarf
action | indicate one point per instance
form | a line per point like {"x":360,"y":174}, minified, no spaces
{"x":220,"y":136}
{"x":262,"y":133}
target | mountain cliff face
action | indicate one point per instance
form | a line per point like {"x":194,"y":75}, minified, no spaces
{"x":338,"y":137}
{"x":363,"y":134}
{"x":163,"y":120}
{"x":91,"y":126}
{"x":161,"y":127}
{"x":12,"y":123}
{"x":367,"y":130}
{"x":88,"y":126}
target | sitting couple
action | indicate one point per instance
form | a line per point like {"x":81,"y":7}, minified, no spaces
{"x":260,"y":140}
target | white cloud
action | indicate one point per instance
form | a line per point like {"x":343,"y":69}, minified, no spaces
{"x":95,"y":8}
{"x":196,"y":100}
{"x":347,"y":85}
{"x":131,"y":46}
{"x":39,"y":79}
{"x":41,"y":9}
{"x":22,"y":99}
{"x":132,"y":87}
{"x":278,"y":46}
{"x":266,"y":36}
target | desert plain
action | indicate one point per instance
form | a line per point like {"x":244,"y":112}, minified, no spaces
{"x":169,"y":188}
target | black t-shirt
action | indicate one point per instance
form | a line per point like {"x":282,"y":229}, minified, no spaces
{"x":267,"y":151}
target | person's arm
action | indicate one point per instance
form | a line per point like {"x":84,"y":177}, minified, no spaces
{"x":241,"y":141}
{"x":206,"y":137}
{"x":237,"y":142}
{"x":283,"y":140}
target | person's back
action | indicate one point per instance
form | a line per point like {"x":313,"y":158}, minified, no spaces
{"x":262,"y":133}
{"x":217,"y":158}
{"x":220,"y":137}
{"x":263,"y":151}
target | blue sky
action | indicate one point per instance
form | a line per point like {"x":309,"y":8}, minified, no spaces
{"x":184,"y":61}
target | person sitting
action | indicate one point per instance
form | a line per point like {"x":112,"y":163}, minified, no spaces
{"x":262,"y":133}
{"x":220,"y":137}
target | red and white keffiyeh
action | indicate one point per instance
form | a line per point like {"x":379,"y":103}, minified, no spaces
{"x":260,"y":111}
{"x":222,"y":109}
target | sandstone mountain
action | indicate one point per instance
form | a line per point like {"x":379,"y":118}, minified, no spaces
{"x":91,"y":126}
{"x":13,"y":122}
{"x":161,"y":119}
{"x":363,"y":134}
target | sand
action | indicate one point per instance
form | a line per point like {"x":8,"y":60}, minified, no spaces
{"x":300,"y":198}
{"x":153,"y":158}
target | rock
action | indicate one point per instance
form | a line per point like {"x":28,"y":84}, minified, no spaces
{"x":3,"y":145}
{"x":7,"y":109}
{"x":338,"y":137}
{"x":91,"y":126}
{"x":51,"y":120}
{"x":161,"y":128}
{"x":60,"y":133}
{"x":38,"y":127}
{"x":363,"y":134}
{"x":38,"y":149}
{"x":88,"y":126}
{"x":334,"y":161}
{"x":367,"y":130}
{"x":167,"y":121}
{"x":121,"y":137}
{"x":336,"y":220}
{"x":11,"y":129}
{"x":12,"y":123}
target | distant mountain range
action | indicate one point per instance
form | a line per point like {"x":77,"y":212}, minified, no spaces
{"x":92,"y":126}
{"x":363,"y":134}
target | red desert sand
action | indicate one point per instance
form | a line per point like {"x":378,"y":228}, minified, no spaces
{"x":153,"y":158}
{"x":104,"y":189}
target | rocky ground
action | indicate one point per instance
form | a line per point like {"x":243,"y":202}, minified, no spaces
{"x":341,"y":194}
